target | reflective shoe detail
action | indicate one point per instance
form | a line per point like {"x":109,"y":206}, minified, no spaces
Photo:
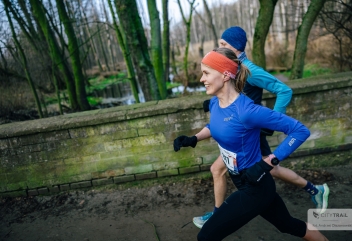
{"x":321,"y":198}
{"x":200,"y":221}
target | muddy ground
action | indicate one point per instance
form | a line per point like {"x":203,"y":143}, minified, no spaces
{"x":155,"y":210}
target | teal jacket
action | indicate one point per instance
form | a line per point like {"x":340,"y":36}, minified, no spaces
{"x":259,"y":80}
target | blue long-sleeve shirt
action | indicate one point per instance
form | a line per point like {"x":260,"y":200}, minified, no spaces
{"x":259,"y":80}
{"x":236,"y":128}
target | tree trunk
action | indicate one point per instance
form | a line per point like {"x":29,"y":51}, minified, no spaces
{"x":3,"y":60}
{"x":90,"y":37}
{"x":107,"y":68}
{"x":100,"y":45}
{"x":57,"y":91}
{"x":36,"y":39}
{"x":302,"y":38}
{"x":74,"y":53}
{"x":262,"y":27}
{"x":173,"y":61}
{"x":156,"y":47}
{"x":166,"y":39}
{"x":126,"y":55}
{"x":211,"y":24}
{"x":26,"y":27}
{"x":137,"y":44}
{"x":108,"y":36}
{"x":201,"y":48}
{"x":31,"y":28}
{"x":56,"y":55}
{"x":24,"y":59}
{"x":188,"y":40}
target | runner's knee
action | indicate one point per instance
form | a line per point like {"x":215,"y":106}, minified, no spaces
{"x":218,"y":170}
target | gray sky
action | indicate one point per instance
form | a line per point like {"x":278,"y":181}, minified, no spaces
{"x":174,"y":11}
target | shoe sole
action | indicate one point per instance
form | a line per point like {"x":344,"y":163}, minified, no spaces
{"x":197,"y":225}
{"x":325,"y":198}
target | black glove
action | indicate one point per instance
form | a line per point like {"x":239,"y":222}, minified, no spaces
{"x":266,"y":132}
{"x":256,"y":172}
{"x":184,"y":141}
{"x":206,"y":105}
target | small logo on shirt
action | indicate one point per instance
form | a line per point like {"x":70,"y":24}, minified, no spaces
{"x":228,"y":118}
{"x":292,"y":141}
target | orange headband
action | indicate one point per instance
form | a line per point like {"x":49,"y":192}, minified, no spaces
{"x":221,"y":63}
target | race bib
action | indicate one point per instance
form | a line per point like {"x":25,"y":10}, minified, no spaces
{"x":229,"y":159}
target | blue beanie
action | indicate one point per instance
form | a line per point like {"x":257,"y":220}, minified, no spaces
{"x":236,"y":37}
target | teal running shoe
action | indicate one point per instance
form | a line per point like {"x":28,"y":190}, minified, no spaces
{"x":321,"y":198}
{"x":200,"y":221}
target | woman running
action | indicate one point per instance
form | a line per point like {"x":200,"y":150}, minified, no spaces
{"x":235,"y":123}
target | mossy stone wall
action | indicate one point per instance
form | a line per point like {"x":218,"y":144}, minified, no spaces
{"x":134,"y":142}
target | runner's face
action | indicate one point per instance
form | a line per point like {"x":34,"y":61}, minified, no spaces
{"x":212,"y":79}
{"x":224,"y":44}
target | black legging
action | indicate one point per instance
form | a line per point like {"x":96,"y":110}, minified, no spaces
{"x":247,"y":203}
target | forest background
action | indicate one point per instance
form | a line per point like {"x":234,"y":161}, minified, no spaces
{"x":60,"y":56}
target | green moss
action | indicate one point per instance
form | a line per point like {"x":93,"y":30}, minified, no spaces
{"x":139,"y":169}
{"x":101,"y":83}
{"x":59,"y":180}
{"x":310,"y":70}
{"x":94,"y":101}
{"x":172,"y":85}
{"x":75,"y":169}
{"x":189,"y":162}
{"x":19,"y":193}
{"x":16,"y":186}
{"x":113,"y":163}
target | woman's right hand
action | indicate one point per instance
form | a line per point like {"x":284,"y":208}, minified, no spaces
{"x":184,"y":141}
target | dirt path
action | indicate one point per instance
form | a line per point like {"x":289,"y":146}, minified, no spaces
{"x":154,"y":210}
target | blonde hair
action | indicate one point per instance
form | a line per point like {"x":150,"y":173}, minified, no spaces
{"x":240,"y":80}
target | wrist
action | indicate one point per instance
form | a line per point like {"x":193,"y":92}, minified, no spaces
{"x":194,"y":141}
{"x":273,"y":160}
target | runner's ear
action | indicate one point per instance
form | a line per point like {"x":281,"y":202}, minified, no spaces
{"x":226,"y":78}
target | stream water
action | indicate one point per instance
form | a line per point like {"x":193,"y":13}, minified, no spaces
{"x":121,"y":94}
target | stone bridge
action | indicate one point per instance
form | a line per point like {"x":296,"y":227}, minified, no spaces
{"x":128,"y":143}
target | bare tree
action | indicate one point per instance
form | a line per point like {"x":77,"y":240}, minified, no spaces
{"x":302,"y":38}
{"x":336,"y":17}
{"x":100,"y":45}
{"x":108,"y":36}
{"x":211,"y":23}
{"x":39,"y":13}
{"x":23,"y":58}
{"x":89,"y":35}
{"x":187,"y":23}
